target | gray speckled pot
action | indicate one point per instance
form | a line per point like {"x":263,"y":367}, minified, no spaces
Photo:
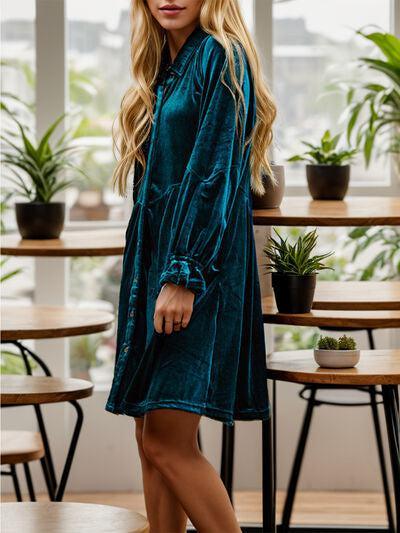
{"x":273,"y":193}
{"x":336,"y":358}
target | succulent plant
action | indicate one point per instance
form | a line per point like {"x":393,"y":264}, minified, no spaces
{"x":295,"y":258}
{"x":346,"y":343}
{"x":327,"y":343}
{"x":343,"y":343}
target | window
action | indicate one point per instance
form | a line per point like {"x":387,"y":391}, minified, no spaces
{"x":18,"y":93}
{"x":98,"y":65}
{"x":314,"y":45}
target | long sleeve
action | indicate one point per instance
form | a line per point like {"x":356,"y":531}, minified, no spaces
{"x":212,"y":176}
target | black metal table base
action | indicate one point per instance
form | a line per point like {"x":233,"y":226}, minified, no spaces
{"x":390,"y":397}
{"x":55,"y":490}
{"x":257,"y":528}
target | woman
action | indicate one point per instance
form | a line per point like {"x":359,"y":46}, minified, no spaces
{"x":195,"y":130}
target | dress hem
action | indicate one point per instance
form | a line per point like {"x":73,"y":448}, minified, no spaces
{"x":211,"y":412}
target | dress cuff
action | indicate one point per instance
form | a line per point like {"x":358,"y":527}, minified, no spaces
{"x":186,"y":271}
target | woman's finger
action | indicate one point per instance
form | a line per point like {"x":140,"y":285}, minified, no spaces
{"x":177,"y":321}
{"x":158,"y":321}
{"x":168,"y":322}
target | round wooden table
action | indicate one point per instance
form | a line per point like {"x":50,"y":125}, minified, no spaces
{"x":376,"y":367}
{"x":19,"y":390}
{"x":104,"y":242}
{"x":331,"y":319}
{"x":32,"y":390}
{"x":47,"y":322}
{"x":352,"y":211}
{"x":357,"y":295}
{"x":67,"y":517}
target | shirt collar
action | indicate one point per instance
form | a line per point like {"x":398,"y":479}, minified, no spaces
{"x":185,"y":52}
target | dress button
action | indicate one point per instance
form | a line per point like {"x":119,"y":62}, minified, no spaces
{"x":126,"y":348}
{"x":132,"y":313}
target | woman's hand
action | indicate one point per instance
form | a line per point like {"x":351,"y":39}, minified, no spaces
{"x":173,"y":308}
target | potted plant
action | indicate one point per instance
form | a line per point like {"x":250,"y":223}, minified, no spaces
{"x":38,"y":173}
{"x":294,"y":271}
{"x":328,"y":168}
{"x":336,"y":353}
{"x":274,"y":189}
{"x":373,"y":108}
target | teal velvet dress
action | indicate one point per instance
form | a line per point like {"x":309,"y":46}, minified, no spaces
{"x":191,"y":224}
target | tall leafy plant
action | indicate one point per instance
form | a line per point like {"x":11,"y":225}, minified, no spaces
{"x":326,"y":152}
{"x":37,"y":168}
{"x":379,"y":251}
{"x":373,"y":109}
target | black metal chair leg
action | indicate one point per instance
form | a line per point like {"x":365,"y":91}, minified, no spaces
{"x":371,"y":340}
{"x":42,"y":428}
{"x":296,"y":468}
{"x":268,"y":476}
{"x":382,"y":462}
{"x":29,"y":483}
{"x":227,"y":457}
{"x":14,"y":475}
{"x":46,"y":446}
{"x":72,"y":447}
{"x":392,"y":427}
{"x":274,"y":426}
{"x":47,"y":478}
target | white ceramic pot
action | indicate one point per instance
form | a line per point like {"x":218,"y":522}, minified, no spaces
{"x":336,"y":358}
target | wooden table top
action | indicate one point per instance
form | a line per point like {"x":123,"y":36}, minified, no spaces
{"x":376,"y":367}
{"x":50,"y":321}
{"x":294,"y":211}
{"x":20,"y":446}
{"x":68,"y":517}
{"x":335,"y":319}
{"x":352,"y":211}
{"x":357,"y":295}
{"x":99,"y":242}
{"x":23,"y":389}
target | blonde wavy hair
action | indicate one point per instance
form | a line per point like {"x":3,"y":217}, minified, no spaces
{"x":223,"y":20}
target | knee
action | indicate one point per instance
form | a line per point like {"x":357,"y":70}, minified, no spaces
{"x":155,"y":450}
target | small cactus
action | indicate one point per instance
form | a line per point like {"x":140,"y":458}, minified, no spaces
{"x":346,"y":343}
{"x":343,"y":343}
{"x":327,"y":343}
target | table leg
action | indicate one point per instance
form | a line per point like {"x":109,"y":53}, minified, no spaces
{"x":71,"y":451}
{"x":268,"y":477}
{"x":55,"y":490}
{"x":390,"y":394}
{"x":227,"y":458}
{"x":25,"y":351}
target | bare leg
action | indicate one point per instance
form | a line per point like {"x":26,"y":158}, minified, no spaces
{"x":164,"y":511}
{"x":170,"y":444}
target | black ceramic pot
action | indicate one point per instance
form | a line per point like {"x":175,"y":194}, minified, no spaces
{"x":40,"y":220}
{"x":294,"y":294}
{"x":328,"y":182}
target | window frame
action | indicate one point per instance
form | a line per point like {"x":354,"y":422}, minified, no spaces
{"x":263,"y":31}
